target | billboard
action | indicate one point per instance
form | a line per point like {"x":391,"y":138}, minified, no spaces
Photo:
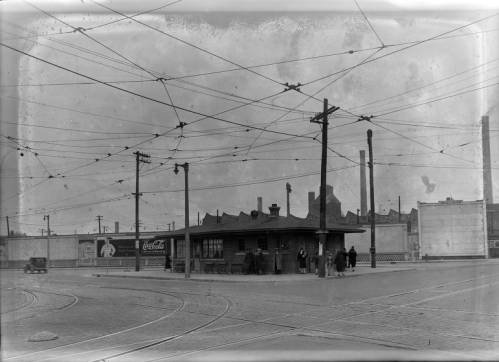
{"x":125,"y":247}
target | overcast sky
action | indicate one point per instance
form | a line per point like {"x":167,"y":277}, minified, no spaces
{"x":428,"y":91}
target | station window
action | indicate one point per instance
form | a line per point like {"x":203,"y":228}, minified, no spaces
{"x":262,"y":244}
{"x":241,"y":245}
{"x":180,"y":249}
{"x":213,"y":249}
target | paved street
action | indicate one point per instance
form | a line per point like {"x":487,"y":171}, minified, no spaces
{"x":434,"y":310}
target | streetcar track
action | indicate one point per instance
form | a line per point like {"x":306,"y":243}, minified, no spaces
{"x":32,"y":300}
{"x":36,"y":300}
{"x":365,"y":301}
{"x":172,"y":338}
{"x":377,"y":340}
{"x":109,"y":334}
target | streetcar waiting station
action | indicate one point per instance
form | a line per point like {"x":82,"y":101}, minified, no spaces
{"x":223,"y":244}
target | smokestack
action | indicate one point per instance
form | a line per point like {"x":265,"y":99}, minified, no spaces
{"x":311,"y":198}
{"x":116,"y":227}
{"x":259,"y":204}
{"x":487,"y":172}
{"x":363,"y":184}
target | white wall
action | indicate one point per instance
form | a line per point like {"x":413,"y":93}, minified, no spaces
{"x":452,"y":229}
{"x":61,"y":248}
{"x":390,"y":238}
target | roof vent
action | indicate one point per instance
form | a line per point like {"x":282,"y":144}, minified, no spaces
{"x":254,"y":214}
{"x":274,"y":210}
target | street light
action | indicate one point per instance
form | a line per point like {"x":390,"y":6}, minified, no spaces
{"x":185,"y":166}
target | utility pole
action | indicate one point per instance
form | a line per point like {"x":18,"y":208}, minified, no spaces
{"x":185,"y":166}
{"x":140,"y":157}
{"x":8,"y":229}
{"x":47,"y":217}
{"x":99,"y":218}
{"x":371,"y":192}
{"x":288,"y":191}
{"x":322,"y":223}
{"x":358,"y":219}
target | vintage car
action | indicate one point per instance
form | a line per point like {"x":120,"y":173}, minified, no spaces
{"x":36,"y":264}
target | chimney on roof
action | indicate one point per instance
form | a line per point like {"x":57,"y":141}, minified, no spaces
{"x":311,"y":198}
{"x":259,"y":204}
{"x":116,"y":227}
{"x":274,"y":210}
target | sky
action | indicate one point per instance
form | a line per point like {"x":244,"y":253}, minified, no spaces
{"x":82,"y":88}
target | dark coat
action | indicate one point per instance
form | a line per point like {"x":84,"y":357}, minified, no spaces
{"x":352,"y":256}
{"x":340,"y":260}
{"x":302,"y":260}
{"x":259,"y":263}
{"x":249,"y":263}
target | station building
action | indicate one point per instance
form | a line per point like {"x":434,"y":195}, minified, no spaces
{"x":221,"y":243}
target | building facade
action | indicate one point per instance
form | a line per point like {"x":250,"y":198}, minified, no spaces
{"x":225,"y":244}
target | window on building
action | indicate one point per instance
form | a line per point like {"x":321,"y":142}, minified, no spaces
{"x":241,"y":245}
{"x":180,"y":249}
{"x":213,"y":249}
{"x":262,"y":244}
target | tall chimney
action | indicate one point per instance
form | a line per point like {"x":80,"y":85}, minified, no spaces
{"x":259,"y":204}
{"x":116,"y":227}
{"x":363,"y":184}
{"x":311,"y":198}
{"x":487,"y":172}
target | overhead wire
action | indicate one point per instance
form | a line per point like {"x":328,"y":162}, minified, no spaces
{"x":407,"y":47}
{"x":187,"y":43}
{"x":369,"y":23}
{"x":303,"y":102}
{"x":382,"y":100}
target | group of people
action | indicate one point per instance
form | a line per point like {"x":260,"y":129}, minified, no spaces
{"x":254,"y":263}
{"x":337,"y":259}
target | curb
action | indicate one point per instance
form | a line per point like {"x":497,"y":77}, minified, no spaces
{"x":152,"y":277}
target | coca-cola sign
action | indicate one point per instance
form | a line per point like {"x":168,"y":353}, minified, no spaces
{"x":125,"y":247}
{"x":153,"y":247}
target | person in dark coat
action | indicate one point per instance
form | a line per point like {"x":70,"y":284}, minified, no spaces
{"x":340,"y":261}
{"x":301,"y":258}
{"x":168,"y":262}
{"x":352,"y":258}
{"x":259,"y":262}
{"x":249,"y":263}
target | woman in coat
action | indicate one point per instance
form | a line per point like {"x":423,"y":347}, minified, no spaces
{"x":301,"y":258}
{"x":352,"y":258}
{"x":340,"y":260}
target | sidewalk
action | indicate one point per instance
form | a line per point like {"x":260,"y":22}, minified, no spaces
{"x":234,"y":278}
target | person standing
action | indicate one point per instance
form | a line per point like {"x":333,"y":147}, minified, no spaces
{"x":259,"y":262}
{"x":315,"y":260}
{"x":277,"y":262}
{"x":352,"y":258}
{"x":301,"y":258}
{"x":329,"y":263}
{"x":340,"y":261}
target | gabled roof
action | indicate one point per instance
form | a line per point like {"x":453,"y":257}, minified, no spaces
{"x":259,"y":222}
